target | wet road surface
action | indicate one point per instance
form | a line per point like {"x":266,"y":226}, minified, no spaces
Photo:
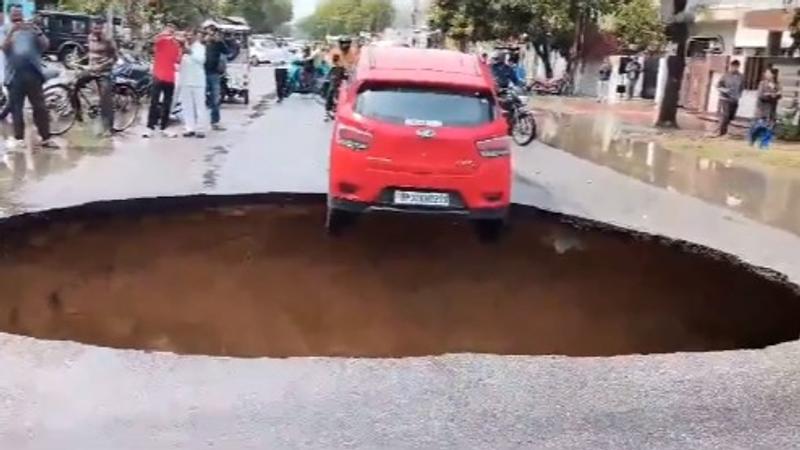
{"x":771,"y":196}
{"x":57,"y":394}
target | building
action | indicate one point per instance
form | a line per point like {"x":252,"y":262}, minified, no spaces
{"x":754,"y":32}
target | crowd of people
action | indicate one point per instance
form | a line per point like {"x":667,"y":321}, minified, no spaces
{"x":334,"y":63}
{"x":730,"y":88}
{"x":196,"y":57}
{"x":199,"y":59}
{"x":632,"y":73}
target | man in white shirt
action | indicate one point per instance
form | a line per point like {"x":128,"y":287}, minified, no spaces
{"x":282,"y":72}
{"x":192,"y":79}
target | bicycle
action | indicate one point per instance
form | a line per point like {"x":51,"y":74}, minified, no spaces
{"x":67,"y":103}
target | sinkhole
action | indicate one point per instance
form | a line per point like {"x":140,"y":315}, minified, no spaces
{"x":249,"y":278}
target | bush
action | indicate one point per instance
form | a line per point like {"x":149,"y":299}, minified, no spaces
{"x":788,"y":128}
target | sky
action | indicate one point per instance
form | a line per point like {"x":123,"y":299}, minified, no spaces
{"x":304,"y":8}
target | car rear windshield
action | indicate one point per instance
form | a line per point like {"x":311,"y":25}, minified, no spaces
{"x":416,"y":105}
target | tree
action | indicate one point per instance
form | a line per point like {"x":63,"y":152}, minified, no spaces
{"x":550,"y":25}
{"x":794,"y":31}
{"x":464,"y":20}
{"x":677,"y":32}
{"x":638,"y":25}
{"x":188,"y":12}
{"x":134,"y":11}
{"x":337,"y":17}
{"x":263,"y":16}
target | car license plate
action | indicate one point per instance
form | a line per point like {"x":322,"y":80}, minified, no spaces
{"x":421,"y":198}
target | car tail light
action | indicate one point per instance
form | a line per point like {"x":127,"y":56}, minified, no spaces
{"x":353,"y":138}
{"x":494,"y":148}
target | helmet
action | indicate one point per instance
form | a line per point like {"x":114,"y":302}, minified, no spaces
{"x":210,"y":24}
{"x":345,"y":40}
{"x":498,"y":56}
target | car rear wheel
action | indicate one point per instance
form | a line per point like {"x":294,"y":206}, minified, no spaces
{"x":337,"y":221}
{"x":490,"y":230}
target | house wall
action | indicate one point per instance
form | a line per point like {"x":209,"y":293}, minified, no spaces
{"x":726,"y":30}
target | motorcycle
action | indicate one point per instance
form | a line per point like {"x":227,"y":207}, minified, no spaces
{"x":559,"y":86}
{"x":304,"y":79}
{"x":521,"y":123}
{"x":135,"y":72}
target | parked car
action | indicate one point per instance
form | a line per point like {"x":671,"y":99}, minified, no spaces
{"x":420,"y":131}
{"x":266,"y":52}
{"x":68,"y":33}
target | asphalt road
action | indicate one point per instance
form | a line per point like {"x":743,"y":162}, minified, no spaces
{"x":56,"y":395}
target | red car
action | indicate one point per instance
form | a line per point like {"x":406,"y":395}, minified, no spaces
{"x":420,"y":131}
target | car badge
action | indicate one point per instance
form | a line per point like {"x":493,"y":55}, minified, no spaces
{"x":426,"y":133}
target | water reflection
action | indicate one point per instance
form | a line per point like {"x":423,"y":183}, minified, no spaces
{"x":769,"y":196}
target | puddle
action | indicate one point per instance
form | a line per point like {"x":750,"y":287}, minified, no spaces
{"x":264,"y":280}
{"x":771,"y":197}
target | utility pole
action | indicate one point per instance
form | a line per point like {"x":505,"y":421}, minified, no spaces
{"x":677,"y":18}
{"x":415,"y":14}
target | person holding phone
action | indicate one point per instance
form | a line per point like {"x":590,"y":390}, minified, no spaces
{"x":24,"y":75}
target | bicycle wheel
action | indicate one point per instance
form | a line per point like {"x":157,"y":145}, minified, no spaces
{"x":126,"y":107}
{"x":58,"y":100}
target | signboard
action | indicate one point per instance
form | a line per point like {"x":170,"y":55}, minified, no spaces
{"x":28,"y":7}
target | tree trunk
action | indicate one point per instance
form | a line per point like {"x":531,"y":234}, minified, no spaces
{"x":576,"y":51}
{"x":679,"y":34}
{"x":543,"y":51}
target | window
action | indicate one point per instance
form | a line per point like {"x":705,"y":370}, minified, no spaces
{"x":402,"y":104}
{"x":79,"y":27}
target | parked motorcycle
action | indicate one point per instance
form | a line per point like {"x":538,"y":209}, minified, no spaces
{"x":521,"y":123}
{"x":558,"y":86}
{"x":135,"y":72}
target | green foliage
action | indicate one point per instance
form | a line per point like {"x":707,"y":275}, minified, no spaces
{"x":638,"y":25}
{"x":88,"y":6}
{"x":264,"y":16}
{"x":788,"y":124}
{"x":465,"y":20}
{"x":545,"y":22}
{"x":190,"y":12}
{"x":336,"y":17}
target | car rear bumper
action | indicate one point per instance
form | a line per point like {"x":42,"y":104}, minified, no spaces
{"x":340,"y":204}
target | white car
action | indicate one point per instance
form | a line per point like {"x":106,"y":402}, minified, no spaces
{"x":267,"y":52}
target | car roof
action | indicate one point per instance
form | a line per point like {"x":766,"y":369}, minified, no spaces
{"x":424,"y":66}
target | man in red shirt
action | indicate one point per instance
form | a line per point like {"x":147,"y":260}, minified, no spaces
{"x":167,"y":52}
